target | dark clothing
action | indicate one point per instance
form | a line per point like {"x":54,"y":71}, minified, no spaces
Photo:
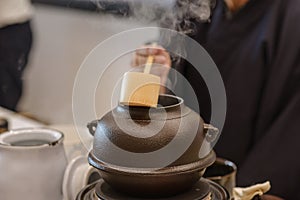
{"x":257,"y":51}
{"x":15,"y":44}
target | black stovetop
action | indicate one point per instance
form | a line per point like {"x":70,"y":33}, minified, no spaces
{"x":203,"y":190}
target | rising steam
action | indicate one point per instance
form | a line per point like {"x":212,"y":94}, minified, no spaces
{"x":185,"y":12}
{"x":173,"y":14}
{"x":178,"y":15}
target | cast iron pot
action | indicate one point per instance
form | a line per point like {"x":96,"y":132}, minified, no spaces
{"x":151,"y":151}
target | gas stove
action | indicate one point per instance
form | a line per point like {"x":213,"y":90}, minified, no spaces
{"x":204,"y":189}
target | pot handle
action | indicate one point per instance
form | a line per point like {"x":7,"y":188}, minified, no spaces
{"x":92,"y":126}
{"x":211,"y":133}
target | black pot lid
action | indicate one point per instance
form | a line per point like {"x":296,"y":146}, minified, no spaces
{"x":202,"y":190}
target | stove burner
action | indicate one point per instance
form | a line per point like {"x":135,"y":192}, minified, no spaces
{"x":202,"y":190}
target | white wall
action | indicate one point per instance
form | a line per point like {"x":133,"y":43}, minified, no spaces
{"x":62,"y":39}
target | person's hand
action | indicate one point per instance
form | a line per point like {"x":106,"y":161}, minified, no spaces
{"x":161,"y":56}
{"x":161,"y":61}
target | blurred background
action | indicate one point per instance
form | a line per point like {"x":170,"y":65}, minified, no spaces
{"x":64,"y":32}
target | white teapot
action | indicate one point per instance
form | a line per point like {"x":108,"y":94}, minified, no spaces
{"x":34,"y":165}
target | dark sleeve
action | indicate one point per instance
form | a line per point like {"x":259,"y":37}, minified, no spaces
{"x":274,"y":155}
{"x":15,"y":45}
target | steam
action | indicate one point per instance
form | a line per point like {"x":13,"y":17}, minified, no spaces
{"x":185,"y":13}
{"x":178,"y":15}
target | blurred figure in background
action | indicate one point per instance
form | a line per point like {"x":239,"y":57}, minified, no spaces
{"x":15,"y":45}
{"x":256,"y":46}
